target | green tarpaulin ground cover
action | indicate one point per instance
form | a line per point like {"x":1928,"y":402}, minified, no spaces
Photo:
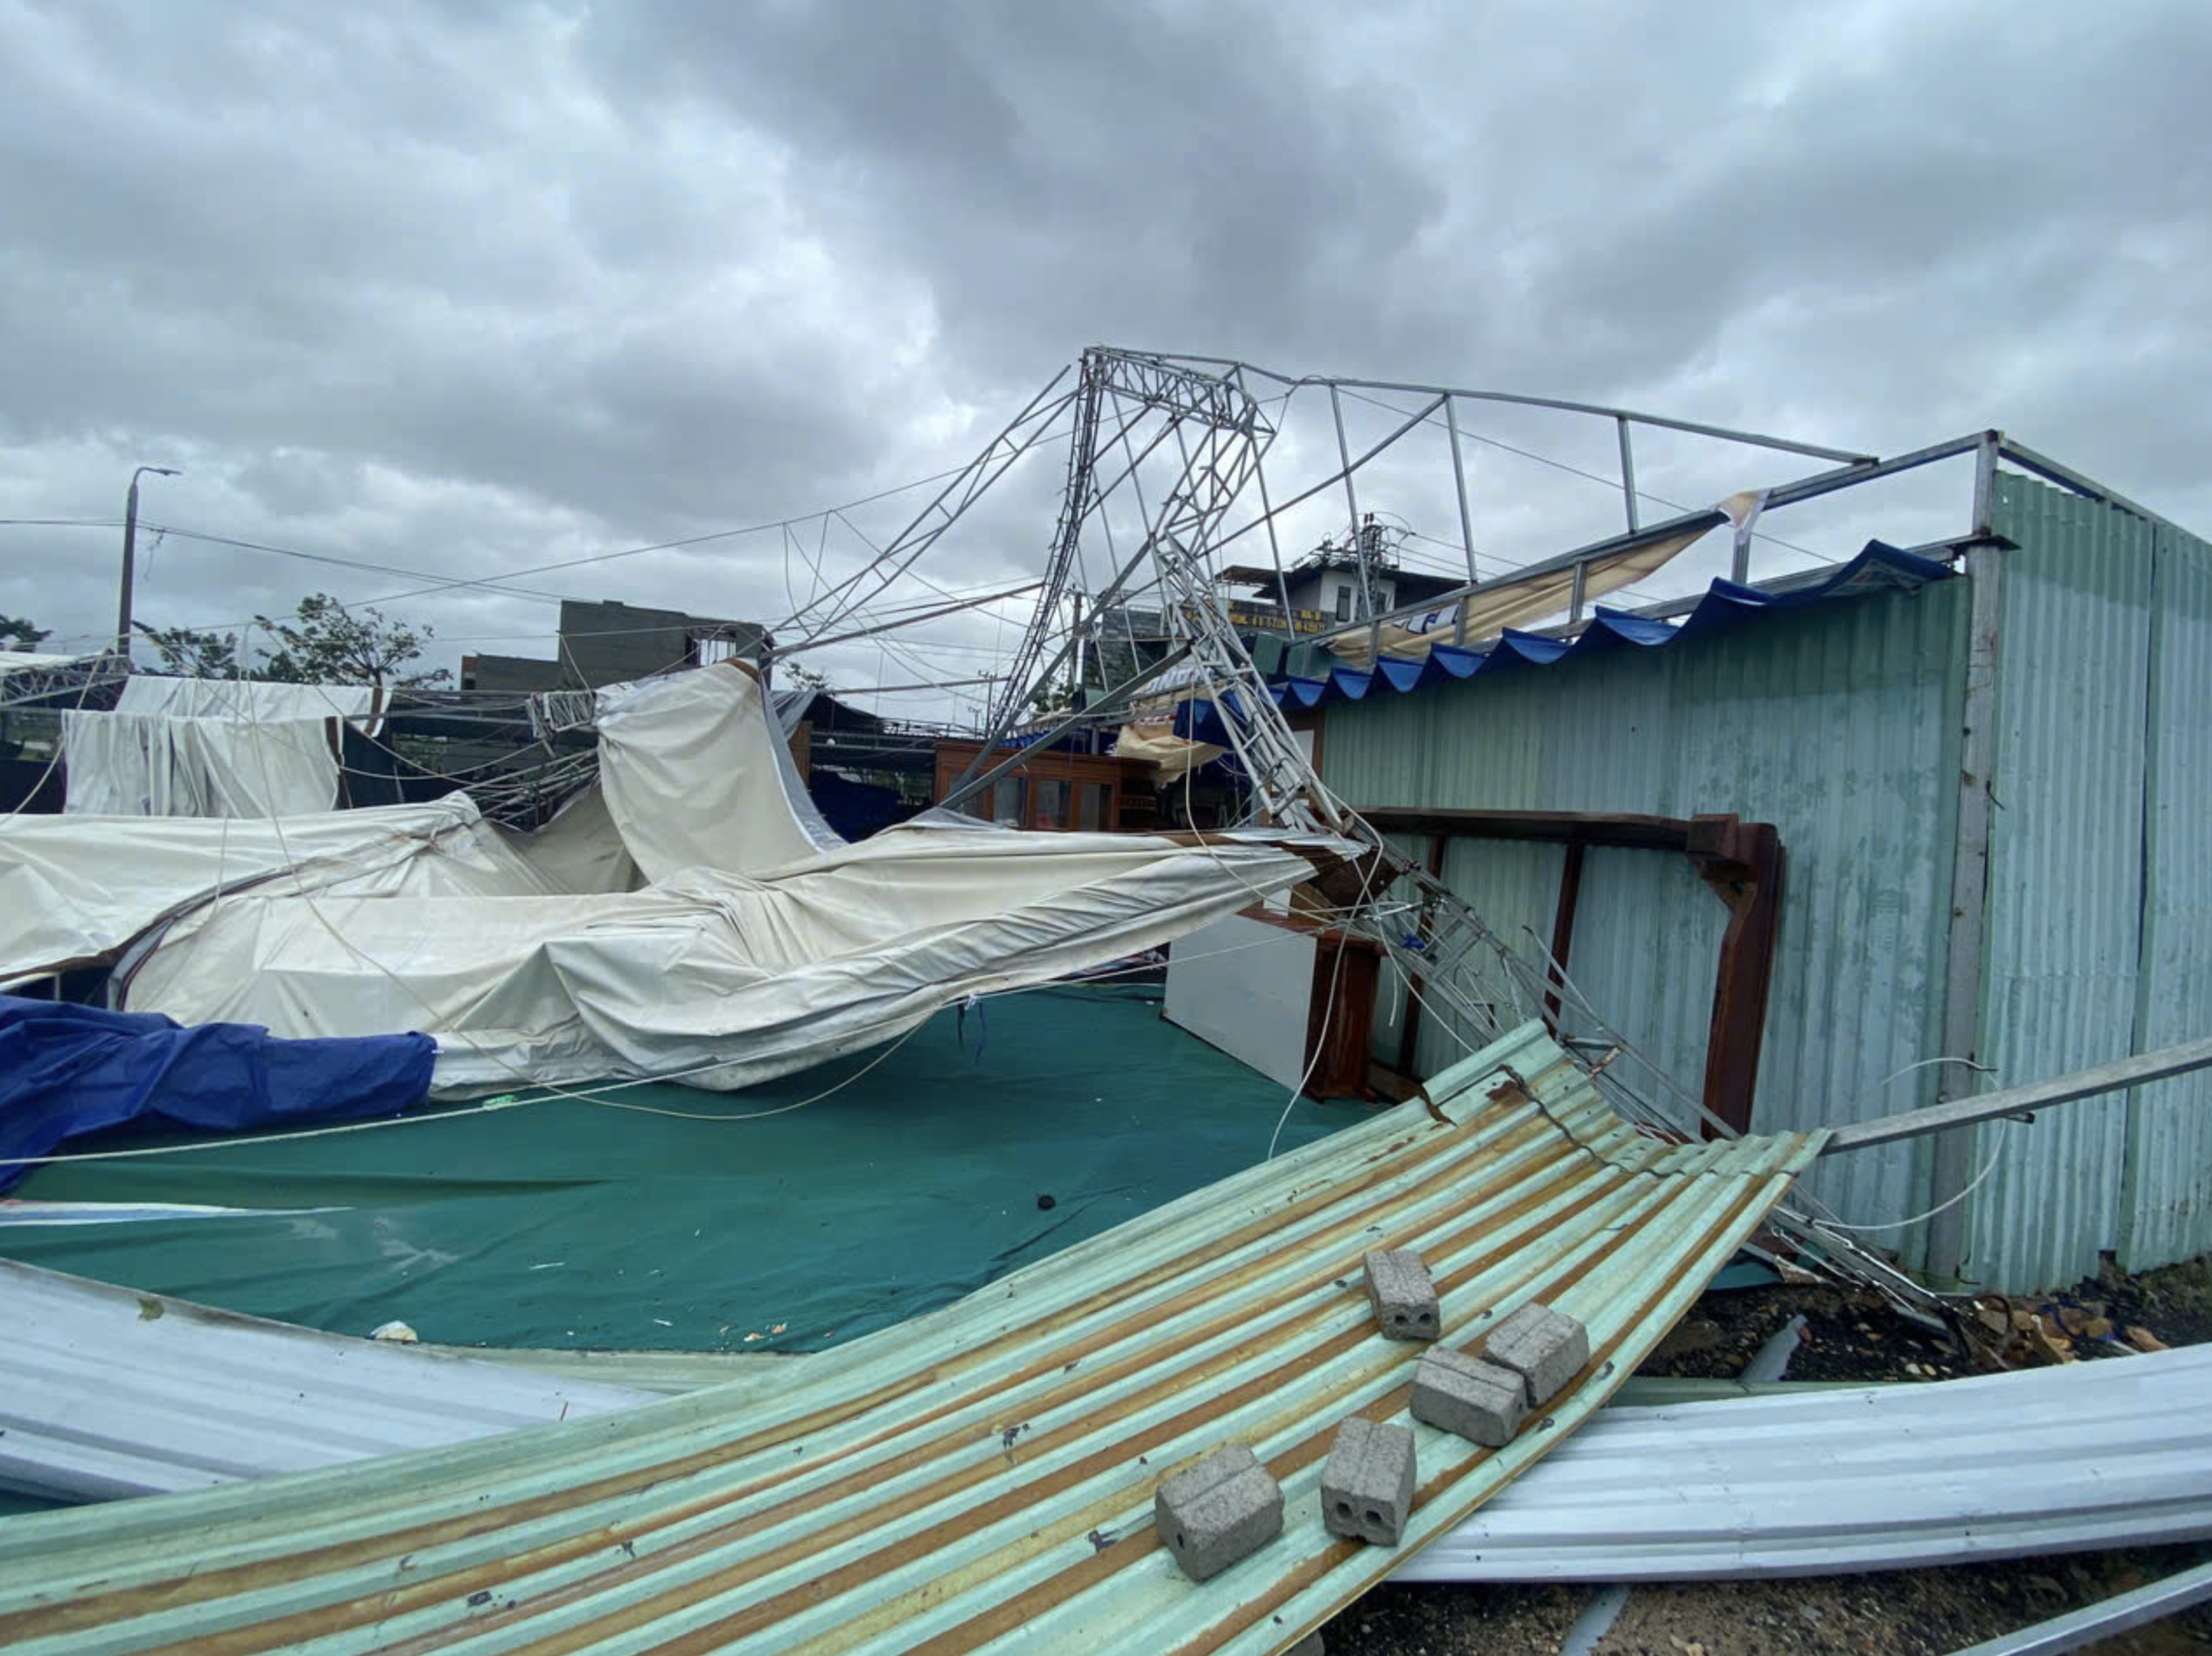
{"x":568,"y":1225}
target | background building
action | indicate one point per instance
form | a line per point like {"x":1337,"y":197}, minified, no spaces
{"x":611,"y":642}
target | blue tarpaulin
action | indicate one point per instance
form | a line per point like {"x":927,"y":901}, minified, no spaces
{"x":1880,"y":568}
{"x":67,"y":1071}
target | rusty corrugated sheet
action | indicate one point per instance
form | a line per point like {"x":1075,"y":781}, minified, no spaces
{"x":980,"y":1480}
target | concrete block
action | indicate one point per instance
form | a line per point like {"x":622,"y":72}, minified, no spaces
{"x":1309,"y":1646}
{"x":1404,"y":1297}
{"x":1546,"y":1348}
{"x":1224,"y":1509}
{"x":1480,"y":1401}
{"x":1367,"y":1486}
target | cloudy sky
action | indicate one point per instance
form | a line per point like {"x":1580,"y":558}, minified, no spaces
{"x":470,"y":290}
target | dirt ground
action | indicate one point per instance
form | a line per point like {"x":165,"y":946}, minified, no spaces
{"x":1925,"y":1612}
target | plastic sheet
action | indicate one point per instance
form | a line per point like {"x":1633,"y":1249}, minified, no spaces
{"x":67,"y":1072}
{"x":570,"y":1224}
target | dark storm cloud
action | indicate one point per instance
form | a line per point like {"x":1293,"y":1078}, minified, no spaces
{"x":471,"y":288}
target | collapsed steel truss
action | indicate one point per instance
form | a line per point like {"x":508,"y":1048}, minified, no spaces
{"x":1128,"y":406}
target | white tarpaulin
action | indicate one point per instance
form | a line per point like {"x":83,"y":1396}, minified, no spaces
{"x":154,"y":764}
{"x":580,"y":850}
{"x":1173,"y":755}
{"x":697,"y":776}
{"x":248,"y":699}
{"x":763,"y":957}
{"x":74,"y":890}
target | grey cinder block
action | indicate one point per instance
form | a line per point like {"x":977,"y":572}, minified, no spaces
{"x":1480,"y":1401}
{"x":1224,"y":1509}
{"x":1546,"y":1348}
{"x":1367,"y":1486}
{"x":1309,"y":1646}
{"x":1404,"y":1297}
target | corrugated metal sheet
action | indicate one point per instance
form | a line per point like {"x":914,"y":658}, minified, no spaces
{"x":2087,"y":1455}
{"x":1682,"y":1487}
{"x":106,"y":1392}
{"x":1840,"y":725}
{"x":2065,"y":872}
{"x":982,"y":1478}
{"x":110,"y":1393}
{"x":2166,"y":1193}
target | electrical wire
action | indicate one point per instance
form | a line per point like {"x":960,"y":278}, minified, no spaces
{"x":1996,"y":1150}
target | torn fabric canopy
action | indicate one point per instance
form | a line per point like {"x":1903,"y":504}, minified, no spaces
{"x":1173,"y":755}
{"x":155,"y":764}
{"x":1517,"y":604}
{"x":74,"y":890}
{"x":244,"y":698}
{"x":751,"y":953}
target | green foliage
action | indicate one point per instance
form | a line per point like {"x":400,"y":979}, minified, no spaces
{"x":1053,"y":698}
{"x":326,"y":643}
{"x":191,"y":654}
{"x":20,"y":634}
{"x":798,"y":676}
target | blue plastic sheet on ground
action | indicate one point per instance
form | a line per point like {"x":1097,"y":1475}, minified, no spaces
{"x":68,"y":1071}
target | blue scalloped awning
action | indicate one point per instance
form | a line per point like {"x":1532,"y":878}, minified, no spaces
{"x":1880,"y":568}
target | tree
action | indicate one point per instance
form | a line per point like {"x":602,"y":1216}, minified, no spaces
{"x":21,"y":634}
{"x":1053,"y":698}
{"x":193,"y":654}
{"x":326,"y":643}
{"x":798,"y":676}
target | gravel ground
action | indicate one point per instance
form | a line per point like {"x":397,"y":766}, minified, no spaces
{"x":1919,"y":1613}
{"x":1925,"y":1612}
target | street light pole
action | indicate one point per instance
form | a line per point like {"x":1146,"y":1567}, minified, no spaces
{"x":131,"y":555}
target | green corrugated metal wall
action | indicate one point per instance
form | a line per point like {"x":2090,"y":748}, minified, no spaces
{"x":1839,"y":724}
{"x":2100,"y":889}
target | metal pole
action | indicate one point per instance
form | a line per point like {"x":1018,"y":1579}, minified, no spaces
{"x":2139,"y":1071}
{"x":1627,"y":473}
{"x":1275,"y":551}
{"x":130,"y":556}
{"x":130,"y":561}
{"x":1952,"y":1160}
{"x":1351,"y":499}
{"x":1580,"y":592}
{"x":1696,"y":428}
{"x":1466,"y":521}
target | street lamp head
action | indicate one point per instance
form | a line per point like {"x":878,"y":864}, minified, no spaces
{"x":164,"y":471}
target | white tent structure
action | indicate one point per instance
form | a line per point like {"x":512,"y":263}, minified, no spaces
{"x":759,"y":945}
